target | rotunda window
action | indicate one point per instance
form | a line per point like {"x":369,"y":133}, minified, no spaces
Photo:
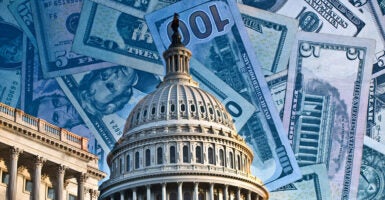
{"x":136,"y":160}
{"x":198,"y":154}
{"x":239,"y":162}
{"x":211,"y":155}
{"x":182,"y":107}
{"x":159,"y":155}
{"x":121,"y":169}
{"x":148,"y":157}
{"x":211,"y":111}
{"x":173,"y":196}
{"x":128,"y":163}
{"x":202,"y":109}
{"x":162,"y":109}
{"x":145,"y":113}
{"x":185,"y":154}
{"x":187,"y":196}
{"x":221,"y":157}
{"x":172,"y":108}
{"x":231,"y":159}
{"x":192,"y":108}
{"x":153,"y":110}
{"x":172,"y":154}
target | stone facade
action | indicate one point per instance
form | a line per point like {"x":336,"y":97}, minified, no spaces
{"x":42,"y":161}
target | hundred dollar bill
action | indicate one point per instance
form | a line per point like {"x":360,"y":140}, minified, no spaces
{"x":45,"y":99}
{"x":277,"y":84}
{"x":214,"y":32}
{"x":372,"y":173}
{"x":12,"y":45}
{"x":325,"y":105}
{"x":377,"y":9}
{"x":117,"y":37}
{"x":55,"y":24}
{"x":136,"y":8}
{"x":268,"y":5}
{"x":271,"y":35}
{"x":314,"y":185}
{"x":21,"y":10}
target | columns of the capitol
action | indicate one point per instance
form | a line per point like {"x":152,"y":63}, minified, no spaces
{"x":37,"y":177}
{"x":180,"y":193}
{"x":15,"y":152}
{"x":81,"y":180}
{"x":133,"y":193}
{"x":122,"y":195}
{"x":148,"y":192}
{"x":226,"y":192}
{"x":238,"y":193}
{"x":196,"y":191}
{"x":249,"y":195}
{"x":164,"y":196}
{"x":60,"y":182}
{"x":211,"y":191}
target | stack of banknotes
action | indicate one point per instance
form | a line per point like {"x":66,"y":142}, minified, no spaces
{"x":302,"y":79}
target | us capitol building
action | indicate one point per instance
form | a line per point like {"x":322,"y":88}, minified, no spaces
{"x":179,"y":142}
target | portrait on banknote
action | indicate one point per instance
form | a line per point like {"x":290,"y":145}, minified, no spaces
{"x":134,"y":32}
{"x":105,"y":91}
{"x":11,"y":46}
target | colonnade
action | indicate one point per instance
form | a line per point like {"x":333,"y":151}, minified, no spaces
{"x":38,"y":163}
{"x":200,"y":191}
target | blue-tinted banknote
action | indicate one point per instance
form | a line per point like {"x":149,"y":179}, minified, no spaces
{"x":277,"y":84}
{"x":271,"y":36}
{"x":372,"y":173}
{"x":267,"y":5}
{"x":12,"y":45}
{"x":376,"y":9}
{"x":136,"y":8}
{"x":21,"y":10}
{"x":376,"y":109}
{"x":45,"y":99}
{"x":314,"y":185}
{"x":55,"y":23}
{"x":215,"y":33}
{"x":116,"y":37}
{"x":105,"y":97}
{"x":326,"y":105}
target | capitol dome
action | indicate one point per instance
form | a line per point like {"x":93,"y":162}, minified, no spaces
{"x":179,"y":142}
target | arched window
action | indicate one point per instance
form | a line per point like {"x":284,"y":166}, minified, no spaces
{"x":231,"y":159}
{"x":211,"y":155}
{"x":172,"y":154}
{"x":198,"y":154}
{"x":221,"y":157}
{"x":136,"y":160}
{"x":121,"y":165}
{"x":187,"y":196}
{"x":159,"y":155}
{"x":128,"y":163}
{"x":173,"y":196}
{"x":239,"y":162}
{"x":185,"y":154}
{"x":148,"y":157}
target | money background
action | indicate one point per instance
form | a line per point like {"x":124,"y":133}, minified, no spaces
{"x":23,"y":52}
